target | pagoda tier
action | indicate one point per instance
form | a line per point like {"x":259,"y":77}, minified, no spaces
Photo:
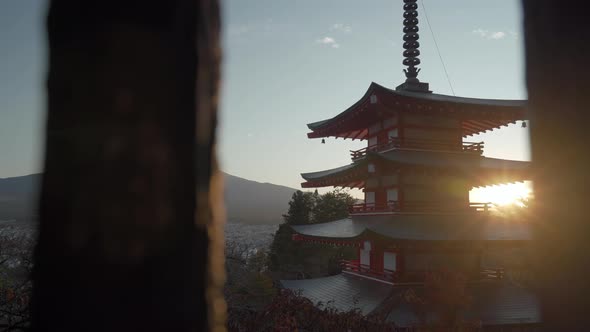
{"x":416,"y":230}
{"x":498,"y":305}
{"x":472,"y":115}
{"x":397,"y":168}
{"x":397,"y":249}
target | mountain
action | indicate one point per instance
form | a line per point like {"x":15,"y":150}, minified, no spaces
{"x":20,"y":185}
{"x":18,"y":196}
{"x":255,"y":202}
{"x":247,"y":201}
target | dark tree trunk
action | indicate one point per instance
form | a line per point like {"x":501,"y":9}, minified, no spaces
{"x":557,"y":72}
{"x":128,"y":238}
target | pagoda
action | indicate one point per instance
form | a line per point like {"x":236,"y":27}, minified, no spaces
{"x":416,"y":173}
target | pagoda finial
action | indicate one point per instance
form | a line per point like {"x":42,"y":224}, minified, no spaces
{"x":411,"y":43}
{"x":411,"y":49}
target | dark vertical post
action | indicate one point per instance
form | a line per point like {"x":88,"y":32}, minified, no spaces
{"x":128,"y":238}
{"x":557,"y":72}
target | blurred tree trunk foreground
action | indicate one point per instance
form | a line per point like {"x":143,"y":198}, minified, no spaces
{"x":557,"y":71}
{"x":129,"y":239}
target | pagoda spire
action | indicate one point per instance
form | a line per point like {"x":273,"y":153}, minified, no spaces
{"x":411,"y":49}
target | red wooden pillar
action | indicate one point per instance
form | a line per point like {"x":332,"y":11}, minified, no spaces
{"x":400,"y":190}
{"x":382,"y":137}
{"x":381,"y":197}
{"x":401,"y":128}
{"x":400,"y":263}
{"x":377,"y":259}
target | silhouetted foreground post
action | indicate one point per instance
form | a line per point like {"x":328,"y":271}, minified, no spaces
{"x":557,"y":57}
{"x":127,"y":240}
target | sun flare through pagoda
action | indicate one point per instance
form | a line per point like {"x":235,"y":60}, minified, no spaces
{"x":416,"y":172}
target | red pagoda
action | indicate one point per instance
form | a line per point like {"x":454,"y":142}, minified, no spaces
{"x":416,"y":173}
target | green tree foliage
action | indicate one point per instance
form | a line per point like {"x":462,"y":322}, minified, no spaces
{"x":300,"y":208}
{"x":332,"y":206}
{"x":309,"y":208}
{"x":305,"y":259}
{"x":282,"y":249}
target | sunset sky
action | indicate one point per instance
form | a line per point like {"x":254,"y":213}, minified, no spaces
{"x":288,"y":63}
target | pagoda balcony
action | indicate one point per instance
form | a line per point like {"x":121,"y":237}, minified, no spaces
{"x":362,"y":270}
{"x":354,"y":267}
{"x":420,"y":144}
{"x":417,"y":206}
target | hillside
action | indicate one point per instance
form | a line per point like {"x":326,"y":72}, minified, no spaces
{"x":247,"y":201}
{"x":254,"y":202}
{"x":18,"y":196}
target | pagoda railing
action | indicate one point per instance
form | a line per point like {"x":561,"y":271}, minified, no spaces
{"x":419,"y":144}
{"x":417,"y":206}
{"x":355,"y":267}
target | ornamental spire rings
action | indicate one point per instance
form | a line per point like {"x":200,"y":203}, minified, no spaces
{"x":411,"y":44}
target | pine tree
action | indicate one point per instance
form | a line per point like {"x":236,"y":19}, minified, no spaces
{"x":332,"y":206}
{"x":306,"y":208}
{"x":300,"y":208}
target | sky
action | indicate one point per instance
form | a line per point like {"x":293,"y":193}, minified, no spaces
{"x":288,"y":63}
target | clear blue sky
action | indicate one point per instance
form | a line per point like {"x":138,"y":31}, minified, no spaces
{"x":288,"y":63}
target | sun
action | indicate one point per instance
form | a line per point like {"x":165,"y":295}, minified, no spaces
{"x":505,"y":194}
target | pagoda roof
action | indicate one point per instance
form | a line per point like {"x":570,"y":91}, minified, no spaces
{"x":484,"y":170}
{"x":477,"y":115}
{"x":422,"y":227}
{"x":493,"y":303}
{"x":347,"y":292}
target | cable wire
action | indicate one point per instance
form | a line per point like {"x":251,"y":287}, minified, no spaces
{"x":437,"y":49}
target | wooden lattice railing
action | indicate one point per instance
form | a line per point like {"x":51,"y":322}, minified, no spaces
{"x":420,"y":144}
{"x":417,"y":206}
{"x":355,"y":267}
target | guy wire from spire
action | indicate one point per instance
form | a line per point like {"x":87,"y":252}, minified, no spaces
{"x":436,"y":45}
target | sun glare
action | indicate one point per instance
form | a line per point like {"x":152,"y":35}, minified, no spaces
{"x":505,"y":194}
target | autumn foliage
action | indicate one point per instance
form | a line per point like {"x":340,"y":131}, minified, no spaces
{"x":438,"y":305}
{"x":289,"y":311}
{"x":15,"y":282}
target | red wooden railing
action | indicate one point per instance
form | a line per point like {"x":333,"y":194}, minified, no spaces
{"x":354,"y":266}
{"x":419,"y":144}
{"x":415,"y":206}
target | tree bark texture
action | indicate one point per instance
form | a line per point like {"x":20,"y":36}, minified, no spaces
{"x":557,"y":71}
{"x":129,"y":236}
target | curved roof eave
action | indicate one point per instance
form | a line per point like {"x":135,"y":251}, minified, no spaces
{"x":455,"y":227}
{"x":512,"y":103}
{"x":318,"y":124}
{"x":427,"y":97}
{"x":344,"y":292}
{"x":495,"y":163}
{"x":494,"y":303}
{"x":459,"y":227}
{"x":329,"y":172}
{"x":343,"y":229}
{"x":428,"y":159}
{"x":442,"y":159}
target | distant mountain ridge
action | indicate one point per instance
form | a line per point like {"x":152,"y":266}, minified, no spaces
{"x":26,"y":184}
{"x":247,"y":201}
{"x":254,"y":202}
